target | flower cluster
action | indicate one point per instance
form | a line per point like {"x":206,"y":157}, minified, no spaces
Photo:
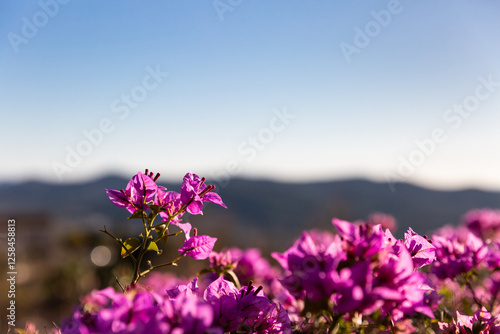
{"x":481,"y":322}
{"x":247,"y":309}
{"x":484,"y":223}
{"x":142,"y":194}
{"x":360,"y":279}
{"x":467,"y":274}
{"x":245,"y":266}
{"x":222,"y":308}
{"x":139,"y":311}
{"x":358,"y":272}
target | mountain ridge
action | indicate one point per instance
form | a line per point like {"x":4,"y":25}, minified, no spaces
{"x":263,"y":213}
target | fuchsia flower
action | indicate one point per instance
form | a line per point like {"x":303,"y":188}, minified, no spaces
{"x":140,"y":190}
{"x":362,"y":269}
{"x":353,"y":289}
{"x":246,"y":309}
{"x":388,"y":279}
{"x":251,"y":265}
{"x":421,"y":250}
{"x":248,"y":265}
{"x":198,"y":247}
{"x":458,"y":251}
{"x":399,"y":285}
{"x":481,"y":322}
{"x":386,"y":221}
{"x":223,"y":259}
{"x":309,"y":264}
{"x":157,"y":282}
{"x":485,"y":223}
{"x":194,"y":192}
{"x":360,"y":241}
{"x":106,"y":311}
{"x":360,"y":278}
{"x":30,"y":328}
{"x":171,"y":206}
{"x":142,"y":312}
{"x":186,"y":312}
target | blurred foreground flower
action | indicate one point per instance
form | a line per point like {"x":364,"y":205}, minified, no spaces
{"x":360,"y":276}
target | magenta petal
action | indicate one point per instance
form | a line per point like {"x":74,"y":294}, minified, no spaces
{"x":218,"y":288}
{"x":176,"y":291}
{"x":387,"y":293}
{"x":421,"y":250}
{"x":222,"y":294}
{"x":185,"y":227}
{"x":189,"y":289}
{"x":282,"y":259}
{"x":146,"y":188}
{"x":191,"y":186}
{"x":253,"y":306}
{"x":170,"y":196}
{"x":119,"y":199}
{"x":214,"y":198}
{"x":198,"y":247}
{"x":346,"y":230}
{"x":195,"y":207}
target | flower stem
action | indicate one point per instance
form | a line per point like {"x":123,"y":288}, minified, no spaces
{"x":121,"y":243}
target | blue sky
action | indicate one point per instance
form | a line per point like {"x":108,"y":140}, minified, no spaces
{"x":283,"y":90}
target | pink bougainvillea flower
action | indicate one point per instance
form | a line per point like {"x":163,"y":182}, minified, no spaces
{"x":170,"y":204}
{"x":309,"y":264}
{"x":198,"y":247}
{"x":194,"y":192}
{"x":360,"y":240}
{"x":421,"y":250}
{"x":485,"y":223}
{"x":388,"y":222}
{"x":139,"y":311}
{"x":481,"y":322}
{"x":140,"y":190}
{"x":247,"y":309}
{"x":363,"y":270}
{"x":458,"y":250}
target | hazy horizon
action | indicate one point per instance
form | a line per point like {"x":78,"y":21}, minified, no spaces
{"x":224,"y":182}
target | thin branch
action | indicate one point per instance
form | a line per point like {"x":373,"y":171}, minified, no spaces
{"x":119,"y":284}
{"x":105,"y":231}
{"x":171,"y":263}
{"x":137,"y":270}
{"x":476,"y":299}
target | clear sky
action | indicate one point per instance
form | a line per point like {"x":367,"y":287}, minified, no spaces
{"x":285,"y":90}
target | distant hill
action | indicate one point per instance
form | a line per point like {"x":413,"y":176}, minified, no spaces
{"x":260,"y":213}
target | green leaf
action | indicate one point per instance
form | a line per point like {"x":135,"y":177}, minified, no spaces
{"x":162,"y":232}
{"x":131,"y":244}
{"x":138,"y":214}
{"x":155,"y":208}
{"x":152,"y":246}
